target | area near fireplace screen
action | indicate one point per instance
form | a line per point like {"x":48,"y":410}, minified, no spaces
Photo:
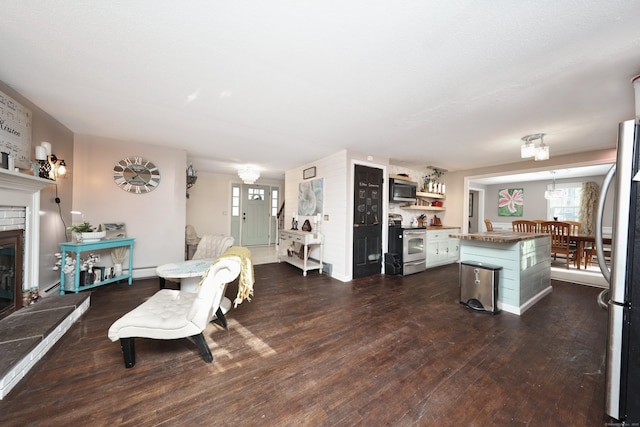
{"x":10,"y":273}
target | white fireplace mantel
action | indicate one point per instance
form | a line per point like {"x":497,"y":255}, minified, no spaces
{"x":22,"y":190}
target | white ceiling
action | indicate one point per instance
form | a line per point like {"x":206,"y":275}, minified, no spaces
{"x":278,"y":84}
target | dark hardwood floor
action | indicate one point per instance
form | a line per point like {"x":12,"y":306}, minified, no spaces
{"x":315,"y":351}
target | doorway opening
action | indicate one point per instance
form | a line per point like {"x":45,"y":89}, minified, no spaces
{"x":254,"y":210}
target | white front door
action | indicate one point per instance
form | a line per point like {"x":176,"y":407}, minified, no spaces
{"x":255,"y":215}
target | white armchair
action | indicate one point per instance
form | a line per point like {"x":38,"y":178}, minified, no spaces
{"x":212,"y":246}
{"x":172,"y":314}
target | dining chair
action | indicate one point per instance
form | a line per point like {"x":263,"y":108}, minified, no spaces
{"x":575,"y":227}
{"x":575,"y":231}
{"x":524,"y":226}
{"x":488,"y":224}
{"x":560,"y":239}
{"x":539,"y":224}
{"x":590,"y":254}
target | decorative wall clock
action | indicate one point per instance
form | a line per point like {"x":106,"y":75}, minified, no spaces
{"x":136,"y":175}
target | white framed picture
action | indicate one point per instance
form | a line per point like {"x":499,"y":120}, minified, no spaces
{"x":115,"y":230}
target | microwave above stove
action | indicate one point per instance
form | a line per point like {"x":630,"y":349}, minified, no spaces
{"x":402,"y":190}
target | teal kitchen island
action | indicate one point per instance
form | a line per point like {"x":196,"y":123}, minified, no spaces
{"x":525,"y":258}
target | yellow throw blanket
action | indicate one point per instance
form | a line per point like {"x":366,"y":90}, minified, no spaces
{"x":245,"y":279}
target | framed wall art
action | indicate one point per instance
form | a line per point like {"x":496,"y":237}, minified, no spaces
{"x":98,"y":274}
{"x":511,"y":202}
{"x":311,"y":197}
{"x":309,"y":173}
{"x":15,"y":132}
{"x":115,"y":230}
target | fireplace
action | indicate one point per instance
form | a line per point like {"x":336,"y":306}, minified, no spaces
{"x":19,"y":216}
{"x":11,"y":251}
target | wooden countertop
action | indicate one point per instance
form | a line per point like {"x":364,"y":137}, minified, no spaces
{"x":441,"y":227}
{"x":499,"y":236}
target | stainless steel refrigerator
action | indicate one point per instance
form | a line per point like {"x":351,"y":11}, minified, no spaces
{"x":622,"y":401}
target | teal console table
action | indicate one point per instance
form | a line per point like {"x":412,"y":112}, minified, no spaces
{"x":78,"y":248}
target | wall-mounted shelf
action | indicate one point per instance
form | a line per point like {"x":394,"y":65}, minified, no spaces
{"x":423,"y":208}
{"x":424,"y":195}
{"x":402,"y":177}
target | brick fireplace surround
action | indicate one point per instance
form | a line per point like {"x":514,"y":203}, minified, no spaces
{"x":28,"y":333}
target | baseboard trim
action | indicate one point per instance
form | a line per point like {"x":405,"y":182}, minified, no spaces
{"x":527,"y":305}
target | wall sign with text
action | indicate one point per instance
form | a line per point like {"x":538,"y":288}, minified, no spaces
{"x":15,"y":131}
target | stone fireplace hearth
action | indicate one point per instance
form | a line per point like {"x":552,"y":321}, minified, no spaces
{"x":26,"y":334}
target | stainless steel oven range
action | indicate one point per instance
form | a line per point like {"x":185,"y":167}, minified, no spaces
{"x":407,"y":250}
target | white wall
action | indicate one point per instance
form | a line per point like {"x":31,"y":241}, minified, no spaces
{"x":337,"y":171}
{"x":156,"y":220}
{"x":333,"y":169}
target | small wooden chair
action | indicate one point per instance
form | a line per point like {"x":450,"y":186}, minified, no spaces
{"x":575,"y":231}
{"x":488,"y":224}
{"x":524,"y":226}
{"x":560,"y":239}
{"x":539,"y":224}
{"x":575,"y":227}
{"x":590,"y":254}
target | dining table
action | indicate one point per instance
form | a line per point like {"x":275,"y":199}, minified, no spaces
{"x":580,"y":242}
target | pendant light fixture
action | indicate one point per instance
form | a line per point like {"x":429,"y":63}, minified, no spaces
{"x":554,"y":193}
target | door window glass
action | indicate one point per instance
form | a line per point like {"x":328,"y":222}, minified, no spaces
{"x":274,"y":202}
{"x":235,"y":201}
{"x":255,"y":193}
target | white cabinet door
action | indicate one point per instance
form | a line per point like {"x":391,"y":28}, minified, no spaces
{"x":433,"y":253}
{"x":453,"y":246}
{"x":442,"y":249}
{"x":453,"y":249}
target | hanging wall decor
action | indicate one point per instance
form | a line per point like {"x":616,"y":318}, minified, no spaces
{"x":511,"y":202}
{"x":310,"y":197}
{"x":15,"y":131}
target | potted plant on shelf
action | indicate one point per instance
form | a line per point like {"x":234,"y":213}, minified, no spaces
{"x":87,"y":233}
{"x":433,"y":181}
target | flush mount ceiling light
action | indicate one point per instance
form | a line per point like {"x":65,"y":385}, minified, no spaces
{"x":529,"y":148}
{"x":248,"y":174}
